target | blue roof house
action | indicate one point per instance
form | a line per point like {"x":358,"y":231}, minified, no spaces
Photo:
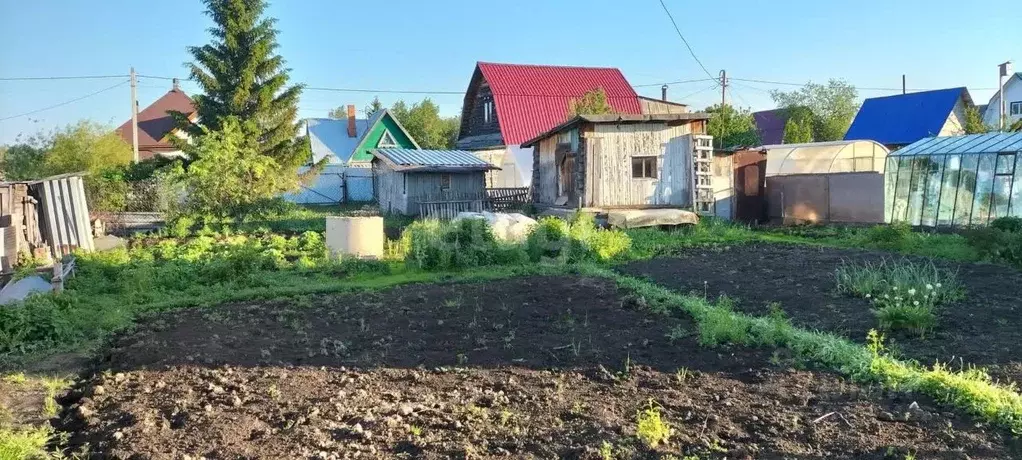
{"x":896,"y":121}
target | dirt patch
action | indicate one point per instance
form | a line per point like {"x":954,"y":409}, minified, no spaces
{"x":540,"y":367}
{"x":983,"y":329}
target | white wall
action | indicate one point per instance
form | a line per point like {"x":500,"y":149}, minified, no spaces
{"x":955,"y":123}
{"x":1012,"y":93}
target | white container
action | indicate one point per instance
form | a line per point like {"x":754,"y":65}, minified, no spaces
{"x":355,"y":236}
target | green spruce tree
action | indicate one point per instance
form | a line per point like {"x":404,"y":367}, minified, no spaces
{"x":241,"y":76}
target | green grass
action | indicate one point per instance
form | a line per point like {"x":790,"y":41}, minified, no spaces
{"x":650,"y":242}
{"x":971,"y":391}
{"x":24,"y":444}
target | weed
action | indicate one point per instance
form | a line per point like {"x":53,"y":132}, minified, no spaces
{"x":682,"y":374}
{"x":677,"y":333}
{"x":461,"y":359}
{"x":453,"y":303}
{"x":415,"y":431}
{"x":17,"y":378}
{"x":606,"y":451}
{"x":53,"y":386}
{"x":651,"y":428}
{"x":506,"y":416}
{"x":904,"y":294}
{"x":24,"y":444}
{"x":273,"y":392}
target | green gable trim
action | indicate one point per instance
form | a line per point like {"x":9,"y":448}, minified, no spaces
{"x":385,"y":123}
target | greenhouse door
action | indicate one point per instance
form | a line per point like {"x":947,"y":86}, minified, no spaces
{"x":750,"y":186}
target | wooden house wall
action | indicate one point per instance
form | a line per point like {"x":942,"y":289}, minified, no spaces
{"x":608,"y":165}
{"x":427,"y":184}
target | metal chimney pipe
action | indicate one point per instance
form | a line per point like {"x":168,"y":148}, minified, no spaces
{"x":663,"y":93}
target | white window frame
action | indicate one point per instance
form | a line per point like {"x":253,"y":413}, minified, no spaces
{"x":387,"y":141}
{"x":1015,"y":108}
{"x":488,"y":112}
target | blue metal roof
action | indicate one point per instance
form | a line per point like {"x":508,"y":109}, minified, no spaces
{"x":437,"y":158}
{"x":904,"y":118}
{"x":973,"y":143}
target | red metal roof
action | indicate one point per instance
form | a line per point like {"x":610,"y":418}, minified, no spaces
{"x":154,"y":122}
{"x":531,"y":99}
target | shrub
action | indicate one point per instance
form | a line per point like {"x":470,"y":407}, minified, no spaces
{"x":1007,"y":224}
{"x":896,"y":236}
{"x":1001,"y":244}
{"x":577,"y":240}
{"x":435,"y":245}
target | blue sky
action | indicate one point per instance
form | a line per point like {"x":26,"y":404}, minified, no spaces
{"x":432,"y":46}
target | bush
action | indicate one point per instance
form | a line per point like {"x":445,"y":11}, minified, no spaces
{"x":896,"y":236}
{"x":997,"y":244}
{"x":1007,"y":224}
{"x":577,"y":240}
{"x":436,"y":245}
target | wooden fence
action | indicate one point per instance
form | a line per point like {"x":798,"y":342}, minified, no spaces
{"x":503,"y":199}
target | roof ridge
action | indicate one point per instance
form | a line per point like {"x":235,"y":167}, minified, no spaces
{"x":956,"y":88}
{"x":560,"y":66}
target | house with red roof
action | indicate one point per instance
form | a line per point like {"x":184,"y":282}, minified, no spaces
{"x":156,"y":127}
{"x":508,"y":104}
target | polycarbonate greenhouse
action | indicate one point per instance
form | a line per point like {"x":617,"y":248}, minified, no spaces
{"x":825,"y":157}
{"x":955,"y":181}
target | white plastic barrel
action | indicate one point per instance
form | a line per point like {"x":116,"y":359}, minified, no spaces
{"x":355,"y":236}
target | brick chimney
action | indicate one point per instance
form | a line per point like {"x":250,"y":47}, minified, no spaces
{"x":175,"y":85}
{"x":352,"y":132}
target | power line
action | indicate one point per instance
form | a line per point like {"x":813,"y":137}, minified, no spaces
{"x":65,"y":102}
{"x":65,"y":77}
{"x":863,"y":88}
{"x":674,"y":82}
{"x":676,"y":29}
{"x":381,"y":91}
{"x":697,"y":92}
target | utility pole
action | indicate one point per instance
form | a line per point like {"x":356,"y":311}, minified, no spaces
{"x":723,"y":88}
{"x":134,"y":117}
{"x":1004,"y":69}
{"x":903,"y":90}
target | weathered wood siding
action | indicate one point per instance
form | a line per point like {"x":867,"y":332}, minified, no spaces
{"x":608,"y":165}
{"x":494,"y":156}
{"x":545,"y":177}
{"x":426,"y":185}
{"x":390,"y":189}
{"x":654,"y":106}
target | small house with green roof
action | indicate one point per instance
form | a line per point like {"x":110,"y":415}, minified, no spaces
{"x":347,"y":144}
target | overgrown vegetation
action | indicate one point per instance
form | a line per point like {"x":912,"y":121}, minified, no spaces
{"x":650,"y":427}
{"x":1000,"y":242}
{"x":904,"y":294}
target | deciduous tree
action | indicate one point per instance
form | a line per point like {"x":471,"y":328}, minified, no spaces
{"x":731,"y":127}
{"x":833,"y":106}
{"x":425,"y":125}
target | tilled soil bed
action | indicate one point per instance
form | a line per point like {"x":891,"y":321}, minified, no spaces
{"x":984,"y":329}
{"x":539,"y":367}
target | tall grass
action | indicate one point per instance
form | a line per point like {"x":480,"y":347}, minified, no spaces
{"x":24,"y":444}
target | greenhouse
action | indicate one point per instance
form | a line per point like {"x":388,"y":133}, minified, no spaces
{"x":955,"y":181}
{"x":825,"y":157}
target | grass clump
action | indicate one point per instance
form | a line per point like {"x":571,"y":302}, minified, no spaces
{"x":905,"y":295}
{"x":466,"y":243}
{"x":650,"y":427}
{"x":23,"y":444}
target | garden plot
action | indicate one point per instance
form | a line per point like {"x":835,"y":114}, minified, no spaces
{"x":536,"y":367}
{"x":982,"y":328}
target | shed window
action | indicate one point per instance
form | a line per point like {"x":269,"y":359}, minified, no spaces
{"x":445,"y":182}
{"x":1016,"y":108}
{"x":644,"y":167}
{"x":488,"y":112}
{"x":404,"y":184}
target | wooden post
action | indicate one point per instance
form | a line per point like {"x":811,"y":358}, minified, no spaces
{"x":57,"y":281}
{"x":134,"y":117}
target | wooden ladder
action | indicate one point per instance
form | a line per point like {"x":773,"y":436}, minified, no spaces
{"x":702,"y":172}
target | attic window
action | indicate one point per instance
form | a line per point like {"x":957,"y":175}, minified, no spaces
{"x":387,"y":140}
{"x":488,"y":112}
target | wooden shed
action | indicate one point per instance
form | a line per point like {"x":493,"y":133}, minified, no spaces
{"x":621,"y":161}
{"x":46,"y":217}
{"x":432,"y":182}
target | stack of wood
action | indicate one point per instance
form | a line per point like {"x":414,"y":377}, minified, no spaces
{"x":19,"y":225}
